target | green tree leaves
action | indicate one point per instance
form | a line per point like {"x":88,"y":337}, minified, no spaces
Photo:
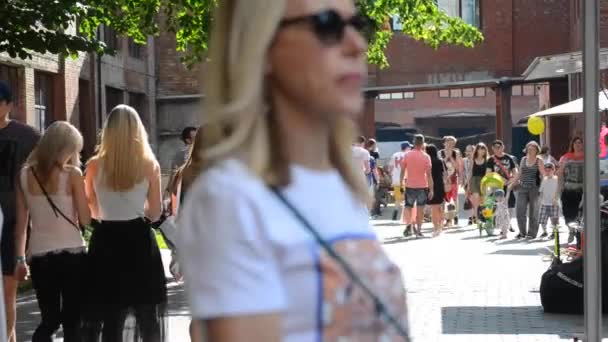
{"x":42,"y":25}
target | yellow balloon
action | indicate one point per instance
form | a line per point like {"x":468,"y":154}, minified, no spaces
{"x":536,"y":125}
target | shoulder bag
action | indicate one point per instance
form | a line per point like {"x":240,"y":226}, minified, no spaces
{"x":380,"y":308}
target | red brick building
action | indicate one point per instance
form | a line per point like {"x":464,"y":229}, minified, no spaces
{"x":457,"y":90}
{"x":82,"y":91}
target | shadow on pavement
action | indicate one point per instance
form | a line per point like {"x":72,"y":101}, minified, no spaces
{"x":522,"y":252}
{"x":494,"y":320}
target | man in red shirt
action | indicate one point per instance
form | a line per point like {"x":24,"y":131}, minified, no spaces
{"x":419,"y":182}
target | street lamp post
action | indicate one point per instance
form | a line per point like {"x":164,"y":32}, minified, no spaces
{"x":592,"y":266}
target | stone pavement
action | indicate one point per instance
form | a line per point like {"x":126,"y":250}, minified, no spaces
{"x":28,"y":314}
{"x":463,"y":287}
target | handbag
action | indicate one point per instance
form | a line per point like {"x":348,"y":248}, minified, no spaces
{"x":344,"y":265}
{"x":85,"y":230}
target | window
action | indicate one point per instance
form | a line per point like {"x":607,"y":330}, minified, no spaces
{"x":516,"y":90}
{"x":468,"y":92}
{"x":43,"y":85}
{"x":110,"y":38}
{"x":114,"y":97}
{"x":10,"y":75}
{"x":395,"y":24}
{"x":444,"y":93}
{"x":135,"y":50}
{"x":480,"y":92}
{"x":138,"y":101}
{"x":529,"y":90}
{"x":455,"y":92}
{"x":397,"y":96}
{"x":467,"y":10}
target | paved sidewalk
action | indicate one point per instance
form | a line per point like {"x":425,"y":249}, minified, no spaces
{"x":463,"y":287}
{"x":28,"y":314}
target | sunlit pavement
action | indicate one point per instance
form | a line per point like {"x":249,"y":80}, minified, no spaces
{"x":28,"y":314}
{"x":463,"y":287}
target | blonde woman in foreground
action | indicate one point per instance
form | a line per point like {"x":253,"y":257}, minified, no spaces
{"x":127,"y":276}
{"x":56,"y":250}
{"x":283,"y":92}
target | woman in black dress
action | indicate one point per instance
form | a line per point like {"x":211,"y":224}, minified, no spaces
{"x":436,"y":203}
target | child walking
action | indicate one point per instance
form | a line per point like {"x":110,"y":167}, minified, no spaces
{"x":549,"y":208}
{"x":502,"y":215}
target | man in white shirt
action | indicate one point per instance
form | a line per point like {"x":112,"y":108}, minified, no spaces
{"x":394,"y":167}
{"x":361,"y":155}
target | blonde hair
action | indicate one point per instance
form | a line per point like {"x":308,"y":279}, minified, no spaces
{"x":124,"y":150}
{"x":237,"y":120}
{"x":60,"y":146}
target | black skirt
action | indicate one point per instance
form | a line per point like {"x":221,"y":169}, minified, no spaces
{"x":126,"y":281}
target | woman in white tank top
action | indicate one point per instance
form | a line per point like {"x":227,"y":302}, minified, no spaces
{"x":52,"y":194}
{"x":127,"y":277}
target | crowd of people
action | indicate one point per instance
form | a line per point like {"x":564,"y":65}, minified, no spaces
{"x":426,"y":181}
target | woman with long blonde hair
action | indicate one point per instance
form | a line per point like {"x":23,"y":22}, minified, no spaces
{"x":275,"y":237}
{"x":124,"y":193}
{"x":51,"y":193}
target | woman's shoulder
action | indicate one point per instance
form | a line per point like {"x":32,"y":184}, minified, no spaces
{"x":72,"y":171}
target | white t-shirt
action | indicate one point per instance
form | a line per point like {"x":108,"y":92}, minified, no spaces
{"x":395,"y":164}
{"x":360,"y":157}
{"x":548,"y":189}
{"x":247,"y":254}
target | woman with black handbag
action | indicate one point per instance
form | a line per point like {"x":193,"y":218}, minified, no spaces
{"x":51,"y":192}
{"x":275,"y":238}
{"x":127,"y":277}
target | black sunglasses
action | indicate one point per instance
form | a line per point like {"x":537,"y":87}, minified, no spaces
{"x":328,"y":25}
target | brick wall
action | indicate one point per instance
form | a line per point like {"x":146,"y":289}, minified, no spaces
{"x":515,"y":32}
{"x":428,"y":104}
{"x":173,"y":77}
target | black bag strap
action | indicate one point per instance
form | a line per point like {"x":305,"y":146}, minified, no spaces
{"x":379,"y":306}
{"x":56,"y":209}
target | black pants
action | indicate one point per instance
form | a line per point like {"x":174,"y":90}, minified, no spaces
{"x":571,"y":200}
{"x":57,"y":279}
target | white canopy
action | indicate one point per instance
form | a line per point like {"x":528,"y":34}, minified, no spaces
{"x":573,"y":107}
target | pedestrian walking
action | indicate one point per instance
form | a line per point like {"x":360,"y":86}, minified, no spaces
{"x":127,"y":277}
{"x":467,"y":166}
{"x":438,"y":172}
{"x":361,"y":156}
{"x":502,"y":217}
{"x":51,"y":193}
{"x":374,"y":176}
{"x":549,"y":205}
{"x":545,"y":155}
{"x":419,"y":183}
{"x":505,"y":165}
{"x":453,"y":160}
{"x":476,"y":173}
{"x":182,"y":154}
{"x":528,"y":181}
{"x":182,"y":181}
{"x":570,"y":174}
{"x":394,"y":168}
{"x":269,"y":264}
{"x":16,"y":142}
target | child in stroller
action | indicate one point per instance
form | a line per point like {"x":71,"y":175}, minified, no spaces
{"x":491,"y":190}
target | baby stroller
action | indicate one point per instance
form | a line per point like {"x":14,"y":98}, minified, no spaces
{"x":486,"y":211}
